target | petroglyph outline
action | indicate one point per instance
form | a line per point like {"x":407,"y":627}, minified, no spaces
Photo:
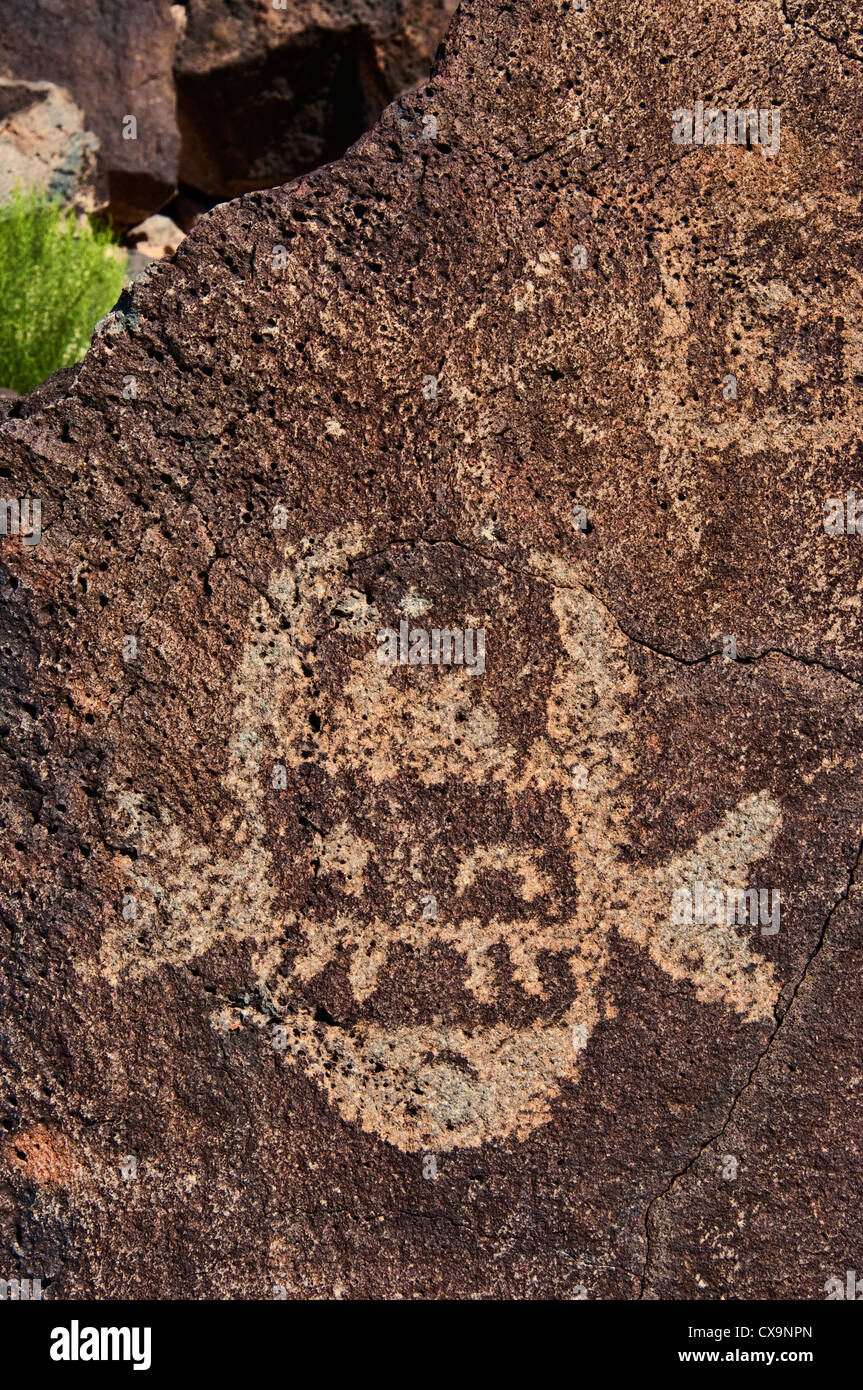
{"x":437,"y":1086}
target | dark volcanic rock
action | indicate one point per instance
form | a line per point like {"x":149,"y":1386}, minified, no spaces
{"x":338,"y":977}
{"x":265,"y":93}
{"x":116,"y":60}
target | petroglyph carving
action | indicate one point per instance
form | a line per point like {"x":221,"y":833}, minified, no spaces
{"x":389,"y":733}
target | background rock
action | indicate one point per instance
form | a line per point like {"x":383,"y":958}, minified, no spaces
{"x":156,"y":238}
{"x":43,"y":144}
{"x":266,"y":94}
{"x":263,"y":94}
{"x":8,"y":398}
{"x":116,"y":60}
{"x":378,"y":395}
{"x":149,"y":242}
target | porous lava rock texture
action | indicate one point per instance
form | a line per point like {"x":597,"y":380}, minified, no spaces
{"x":328,"y":976}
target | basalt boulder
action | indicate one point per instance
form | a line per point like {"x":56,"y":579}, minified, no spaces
{"x":432,"y":708}
{"x":116,"y":60}
{"x":267,"y":92}
{"x":44,"y":145}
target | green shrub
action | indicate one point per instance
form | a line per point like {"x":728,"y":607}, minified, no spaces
{"x":58,"y":277}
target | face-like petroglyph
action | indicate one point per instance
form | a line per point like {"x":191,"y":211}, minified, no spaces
{"x":419,"y":784}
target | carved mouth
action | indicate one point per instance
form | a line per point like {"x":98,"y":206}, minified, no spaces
{"x":438,"y":1088}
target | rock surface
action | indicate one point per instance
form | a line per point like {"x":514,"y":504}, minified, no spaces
{"x":151,"y":241}
{"x":116,"y":59}
{"x":261,"y":94}
{"x":266,"y":93}
{"x":157,"y":237}
{"x":330,"y":977}
{"x":43,"y":144}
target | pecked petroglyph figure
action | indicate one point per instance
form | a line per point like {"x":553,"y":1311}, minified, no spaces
{"x":435,"y":785}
